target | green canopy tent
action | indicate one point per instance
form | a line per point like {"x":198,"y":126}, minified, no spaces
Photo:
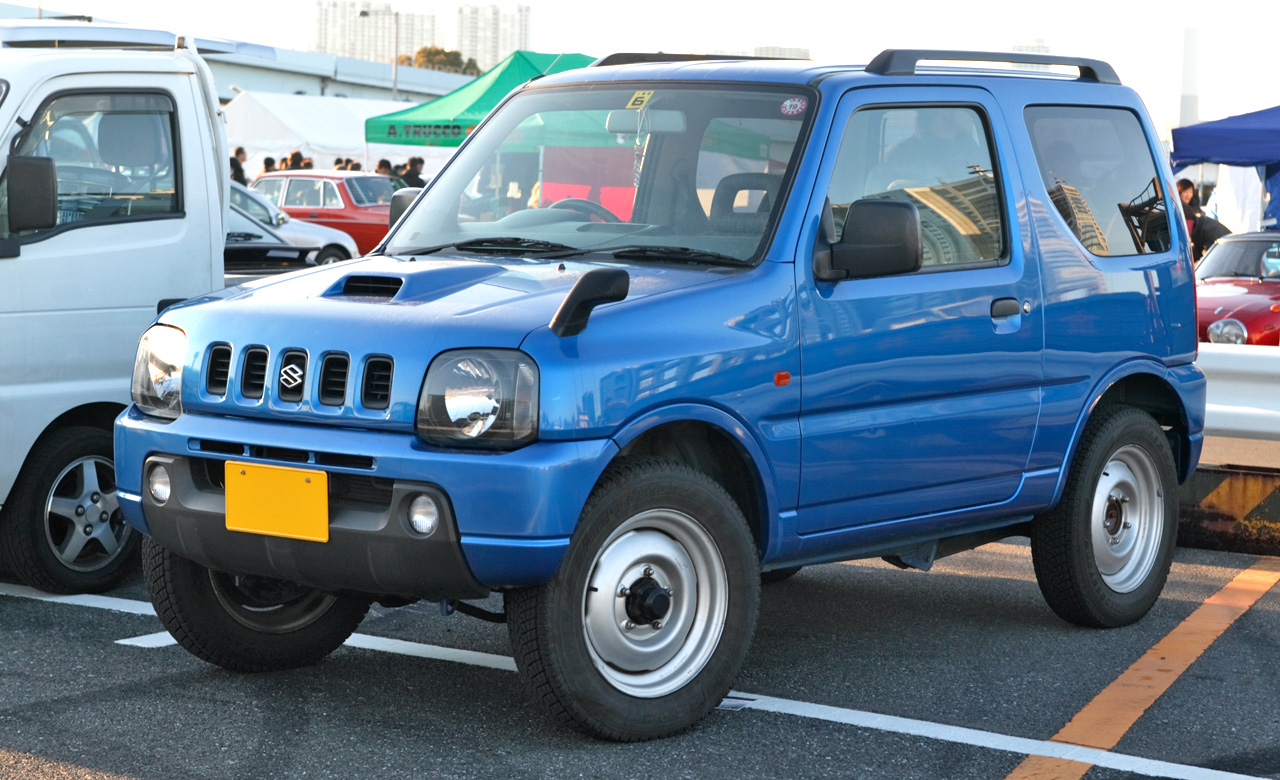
{"x":446,"y":121}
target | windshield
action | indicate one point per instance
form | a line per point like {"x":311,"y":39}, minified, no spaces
{"x":372,"y":190}
{"x":1255,"y":259}
{"x":598,"y":168}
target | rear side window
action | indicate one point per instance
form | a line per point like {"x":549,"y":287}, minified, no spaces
{"x":372,"y":190}
{"x":332,"y":200}
{"x":114,"y":154}
{"x":936,"y":157}
{"x":1098,"y":171}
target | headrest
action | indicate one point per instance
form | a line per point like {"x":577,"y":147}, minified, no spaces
{"x":728,"y":188}
{"x":131,"y":140}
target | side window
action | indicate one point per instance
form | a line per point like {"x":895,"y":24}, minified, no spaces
{"x":937,"y":157}
{"x":332,"y":200}
{"x":304,"y":193}
{"x":114,"y":154}
{"x":251,"y":206}
{"x":1098,"y":171}
{"x":270,"y":188}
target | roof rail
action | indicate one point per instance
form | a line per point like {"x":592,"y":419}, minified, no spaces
{"x":902,"y":62}
{"x":71,"y":35}
{"x":631,"y":58}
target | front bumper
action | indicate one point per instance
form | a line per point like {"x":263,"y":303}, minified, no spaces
{"x":508,"y":517}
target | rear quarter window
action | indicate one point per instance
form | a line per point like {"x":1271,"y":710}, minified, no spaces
{"x":1098,"y":172}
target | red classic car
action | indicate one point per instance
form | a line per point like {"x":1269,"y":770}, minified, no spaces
{"x":352,"y":201}
{"x":1238,"y":290}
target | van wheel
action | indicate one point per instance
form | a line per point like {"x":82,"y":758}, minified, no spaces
{"x":63,"y":531}
{"x":246,"y":624}
{"x":330,"y":255}
{"x":643,"y":629}
{"x":1103,"y":553}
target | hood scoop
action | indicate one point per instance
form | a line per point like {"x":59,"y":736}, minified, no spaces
{"x":371,"y":286}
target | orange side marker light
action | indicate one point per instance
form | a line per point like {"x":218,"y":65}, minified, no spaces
{"x":782,"y":378}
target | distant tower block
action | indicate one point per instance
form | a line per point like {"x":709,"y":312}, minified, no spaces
{"x":1189,"y":106}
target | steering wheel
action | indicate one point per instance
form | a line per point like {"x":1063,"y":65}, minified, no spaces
{"x":588,"y":207}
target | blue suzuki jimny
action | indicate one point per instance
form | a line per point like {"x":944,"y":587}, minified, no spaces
{"x":666,"y":326}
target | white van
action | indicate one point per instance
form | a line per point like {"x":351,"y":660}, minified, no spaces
{"x":112,"y":206}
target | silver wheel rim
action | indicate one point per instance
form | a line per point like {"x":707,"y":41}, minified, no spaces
{"x":82,"y":522}
{"x":269,"y":606}
{"x":675,"y":551}
{"x":1127,"y":519}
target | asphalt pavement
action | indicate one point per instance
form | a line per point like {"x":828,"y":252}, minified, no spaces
{"x":856,"y":671}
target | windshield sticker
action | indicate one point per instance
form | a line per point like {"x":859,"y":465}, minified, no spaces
{"x":639,"y":99}
{"x":794,"y":106}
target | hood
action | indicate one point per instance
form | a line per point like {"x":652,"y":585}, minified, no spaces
{"x":387,"y":308}
{"x":1229,"y":298}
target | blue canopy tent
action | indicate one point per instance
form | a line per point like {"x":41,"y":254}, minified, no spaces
{"x":1251,"y":140}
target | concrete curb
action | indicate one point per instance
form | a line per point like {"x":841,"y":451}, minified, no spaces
{"x":1231,"y":508}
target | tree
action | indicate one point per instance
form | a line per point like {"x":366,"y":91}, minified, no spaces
{"x":436,"y":58}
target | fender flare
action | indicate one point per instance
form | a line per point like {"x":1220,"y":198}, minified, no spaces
{"x":737,"y":431}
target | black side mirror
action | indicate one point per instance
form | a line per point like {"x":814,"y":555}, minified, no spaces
{"x":881,"y":238}
{"x":401,"y":200}
{"x":33,"y":193}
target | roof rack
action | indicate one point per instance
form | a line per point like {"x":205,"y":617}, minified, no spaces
{"x":25,"y":34}
{"x":902,"y":62}
{"x":631,"y":58}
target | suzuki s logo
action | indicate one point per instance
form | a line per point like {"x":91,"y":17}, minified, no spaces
{"x":291,"y":375}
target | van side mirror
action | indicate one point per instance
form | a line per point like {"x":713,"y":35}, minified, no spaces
{"x":401,"y":200}
{"x":881,"y":238}
{"x":33,"y":193}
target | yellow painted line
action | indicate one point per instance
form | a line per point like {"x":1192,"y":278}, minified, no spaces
{"x":1113,"y":712}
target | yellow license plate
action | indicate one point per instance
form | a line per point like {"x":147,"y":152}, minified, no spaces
{"x":277,"y":501}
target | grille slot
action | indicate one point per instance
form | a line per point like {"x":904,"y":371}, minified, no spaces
{"x":339,"y":460}
{"x":357,"y":491}
{"x":372,"y":286}
{"x":375,"y":393}
{"x":218,"y":370}
{"x":333,"y":379}
{"x":279,"y":453}
{"x":293,"y":376}
{"x":221,"y":447}
{"x":254,"y":380}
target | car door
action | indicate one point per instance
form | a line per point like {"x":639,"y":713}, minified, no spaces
{"x":921,"y":392}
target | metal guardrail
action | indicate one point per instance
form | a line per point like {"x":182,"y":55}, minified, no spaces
{"x":1244,"y":394}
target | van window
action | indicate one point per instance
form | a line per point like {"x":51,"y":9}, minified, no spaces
{"x":114,"y":154}
{"x":937,"y":157}
{"x":1099,"y":174}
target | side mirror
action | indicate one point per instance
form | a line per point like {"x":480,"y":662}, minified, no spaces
{"x":33,"y":193}
{"x":881,"y":238}
{"x":281,"y":218}
{"x":401,"y":200}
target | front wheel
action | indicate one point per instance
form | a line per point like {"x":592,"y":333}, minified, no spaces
{"x":1102,"y":555}
{"x":330,"y":255}
{"x":643,"y":629}
{"x":246,"y":624}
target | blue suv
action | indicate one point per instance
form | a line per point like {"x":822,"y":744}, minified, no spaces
{"x":665,"y":327}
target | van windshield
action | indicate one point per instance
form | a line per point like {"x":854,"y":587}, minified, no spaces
{"x":701,"y":172}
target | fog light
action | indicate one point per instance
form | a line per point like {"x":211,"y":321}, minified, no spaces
{"x":158,"y":484}
{"x":424,"y":514}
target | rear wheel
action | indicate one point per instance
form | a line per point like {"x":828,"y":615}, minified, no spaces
{"x":1102,"y":555}
{"x":246,"y":624}
{"x":63,"y":531}
{"x":643,"y":629}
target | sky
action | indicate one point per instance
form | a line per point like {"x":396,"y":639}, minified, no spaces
{"x":1237,"y":72}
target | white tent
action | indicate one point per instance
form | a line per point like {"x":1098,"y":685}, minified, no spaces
{"x":1236,"y":200}
{"x":322,"y":128}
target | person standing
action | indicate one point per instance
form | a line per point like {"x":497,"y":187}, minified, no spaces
{"x":268,"y":164}
{"x":413,"y":174}
{"x":1203,"y":229}
{"x":237,"y":171}
{"x":384,"y":167}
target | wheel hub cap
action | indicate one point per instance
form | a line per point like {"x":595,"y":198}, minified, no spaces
{"x":1127,"y":521}
{"x":647,"y":601}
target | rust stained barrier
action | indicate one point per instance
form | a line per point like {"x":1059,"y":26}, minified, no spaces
{"x":1232,"y":508}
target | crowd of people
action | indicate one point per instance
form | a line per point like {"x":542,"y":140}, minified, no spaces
{"x":1202,"y":228}
{"x":410,"y":171}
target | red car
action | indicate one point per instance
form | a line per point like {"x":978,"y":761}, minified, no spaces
{"x":355,"y":202}
{"x":1238,"y":290}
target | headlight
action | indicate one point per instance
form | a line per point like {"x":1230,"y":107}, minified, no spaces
{"x":484,"y":398}
{"x":157,"y":371}
{"x":1228,"y":331}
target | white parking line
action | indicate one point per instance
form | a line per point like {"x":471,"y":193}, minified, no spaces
{"x":737,"y":701}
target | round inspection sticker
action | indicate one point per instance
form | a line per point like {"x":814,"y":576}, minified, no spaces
{"x":794,"y":106}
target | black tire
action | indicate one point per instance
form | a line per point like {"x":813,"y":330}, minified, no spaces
{"x":1100,"y":562}
{"x":778,"y":575}
{"x":331,"y":254}
{"x":246,"y":624}
{"x":43,"y":541}
{"x":644,"y":510}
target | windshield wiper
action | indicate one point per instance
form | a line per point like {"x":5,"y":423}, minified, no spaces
{"x":512,"y":245}
{"x":655,"y":252}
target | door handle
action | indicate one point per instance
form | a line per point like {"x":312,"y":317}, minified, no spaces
{"x":312,"y":216}
{"x":1004,"y":307}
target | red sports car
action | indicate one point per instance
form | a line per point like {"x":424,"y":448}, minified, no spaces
{"x":1238,"y":290}
{"x":355,"y":202}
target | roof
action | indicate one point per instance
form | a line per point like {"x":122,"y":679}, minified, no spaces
{"x":28,"y":34}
